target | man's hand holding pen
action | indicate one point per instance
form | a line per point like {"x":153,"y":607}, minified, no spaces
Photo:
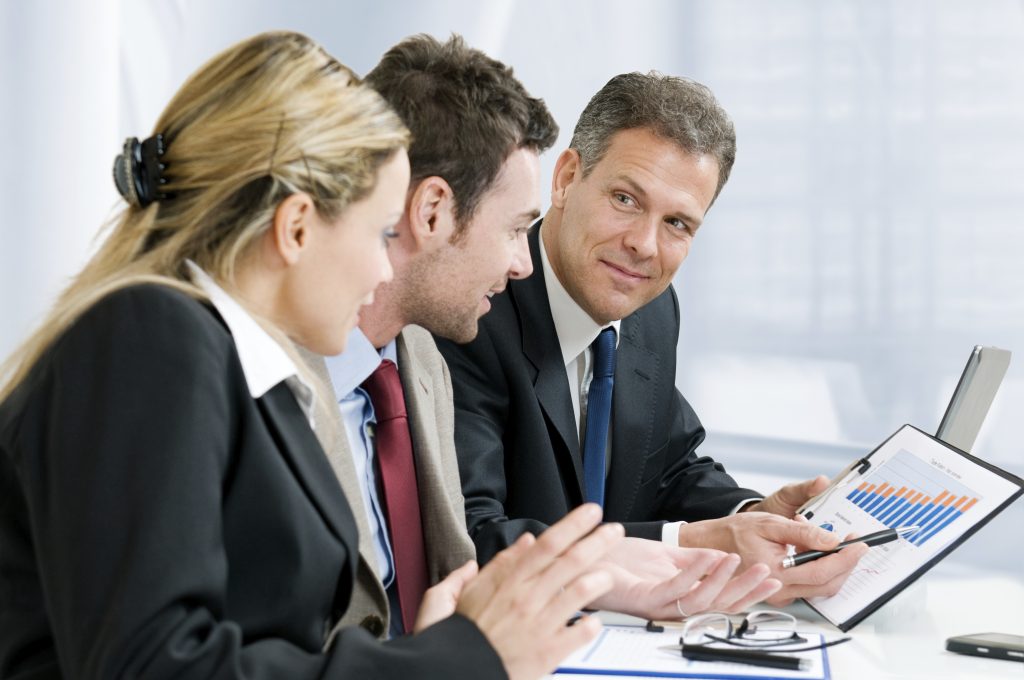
{"x":787,"y":500}
{"x":764,"y":537}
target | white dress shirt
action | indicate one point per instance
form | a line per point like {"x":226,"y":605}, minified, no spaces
{"x":576,"y":331}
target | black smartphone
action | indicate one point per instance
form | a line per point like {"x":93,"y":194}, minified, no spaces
{"x":991,"y":645}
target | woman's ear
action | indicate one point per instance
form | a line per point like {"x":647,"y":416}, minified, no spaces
{"x":291,"y":229}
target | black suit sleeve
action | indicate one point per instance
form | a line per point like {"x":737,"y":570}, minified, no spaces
{"x":483,"y":411}
{"x":125,"y":498}
{"x":691,"y":487}
{"x":694,"y":487}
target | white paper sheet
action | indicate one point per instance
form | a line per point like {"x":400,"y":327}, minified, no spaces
{"x":632,"y":650}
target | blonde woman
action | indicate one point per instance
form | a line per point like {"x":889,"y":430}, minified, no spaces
{"x":166,"y":509}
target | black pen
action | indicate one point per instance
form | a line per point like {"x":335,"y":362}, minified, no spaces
{"x":877,"y":538}
{"x":751,"y":657}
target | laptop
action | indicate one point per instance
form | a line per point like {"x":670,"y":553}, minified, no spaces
{"x":973,"y":396}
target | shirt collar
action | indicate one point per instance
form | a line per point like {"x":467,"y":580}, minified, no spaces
{"x":360,"y":359}
{"x":573,"y":326}
{"x":264,"y":361}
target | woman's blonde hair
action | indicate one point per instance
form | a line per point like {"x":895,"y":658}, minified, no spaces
{"x":271,"y":116}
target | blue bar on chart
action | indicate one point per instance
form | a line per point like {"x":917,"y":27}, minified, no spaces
{"x":909,"y":492}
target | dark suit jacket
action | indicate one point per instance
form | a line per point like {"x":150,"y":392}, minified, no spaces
{"x":516,"y":437}
{"x":156,"y":521}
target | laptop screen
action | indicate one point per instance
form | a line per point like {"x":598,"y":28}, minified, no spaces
{"x":973,"y":396}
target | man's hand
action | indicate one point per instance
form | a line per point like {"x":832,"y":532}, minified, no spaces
{"x":760,"y":537}
{"x":522,"y":598}
{"x":649,"y":577}
{"x":787,"y":500}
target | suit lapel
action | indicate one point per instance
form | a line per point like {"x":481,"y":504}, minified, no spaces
{"x":444,"y":522}
{"x":540,"y":345}
{"x":301,"y":449}
{"x":636,"y":377}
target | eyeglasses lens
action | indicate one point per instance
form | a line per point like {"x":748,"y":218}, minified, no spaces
{"x":702,"y":629}
{"x":769,"y":626}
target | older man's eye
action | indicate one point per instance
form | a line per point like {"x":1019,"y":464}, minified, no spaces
{"x":678,"y":225}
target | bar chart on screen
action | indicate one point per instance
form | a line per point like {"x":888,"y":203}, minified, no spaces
{"x":908,"y":491}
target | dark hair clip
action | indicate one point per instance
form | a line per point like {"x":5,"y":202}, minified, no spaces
{"x":138,"y":171}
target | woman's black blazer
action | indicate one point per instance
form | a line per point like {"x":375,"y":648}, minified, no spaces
{"x":156,"y":521}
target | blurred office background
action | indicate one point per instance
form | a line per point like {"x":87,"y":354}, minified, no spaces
{"x":872,"y":232}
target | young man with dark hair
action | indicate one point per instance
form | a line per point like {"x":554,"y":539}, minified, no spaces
{"x":474,"y":194}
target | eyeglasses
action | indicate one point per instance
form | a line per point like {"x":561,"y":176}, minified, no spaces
{"x":760,"y":629}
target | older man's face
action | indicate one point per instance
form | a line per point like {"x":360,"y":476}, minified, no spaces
{"x":619,"y":235}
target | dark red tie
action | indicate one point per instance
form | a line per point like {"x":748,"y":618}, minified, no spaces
{"x":401,"y":493}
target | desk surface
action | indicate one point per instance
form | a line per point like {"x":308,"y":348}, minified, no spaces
{"x":906,"y":639}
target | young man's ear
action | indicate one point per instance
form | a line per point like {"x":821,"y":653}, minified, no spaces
{"x":567,"y":168}
{"x":291,"y":227}
{"x":431,"y":213}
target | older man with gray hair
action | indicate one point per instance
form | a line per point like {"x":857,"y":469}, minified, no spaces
{"x":568,"y":392}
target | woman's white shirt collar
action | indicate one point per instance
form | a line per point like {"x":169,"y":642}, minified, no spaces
{"x":264,"y":361}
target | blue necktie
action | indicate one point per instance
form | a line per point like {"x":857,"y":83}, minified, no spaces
{"x":599,"y":410}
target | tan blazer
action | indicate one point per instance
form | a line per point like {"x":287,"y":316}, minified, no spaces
{"x":428,"y":400}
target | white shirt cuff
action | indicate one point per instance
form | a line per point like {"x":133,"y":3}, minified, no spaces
{"x":670,"y":530}
{"x":741,"y":504}
{"x":670,"y":533}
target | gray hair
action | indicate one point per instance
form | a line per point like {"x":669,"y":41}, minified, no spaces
{"x":677,"y":109}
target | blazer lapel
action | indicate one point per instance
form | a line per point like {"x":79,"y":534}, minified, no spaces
{"x":300,"y":448}
{"x":335,"y":443}
{"x":636,"y":377}
{"x":540,"y":345}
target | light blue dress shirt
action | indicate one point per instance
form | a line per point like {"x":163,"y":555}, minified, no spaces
{"x":348,"y":370}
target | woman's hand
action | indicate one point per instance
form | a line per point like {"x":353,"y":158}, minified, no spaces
{"x":523,"y":598}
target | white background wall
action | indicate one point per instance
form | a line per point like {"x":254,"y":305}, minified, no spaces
{"x":870,"y":236}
